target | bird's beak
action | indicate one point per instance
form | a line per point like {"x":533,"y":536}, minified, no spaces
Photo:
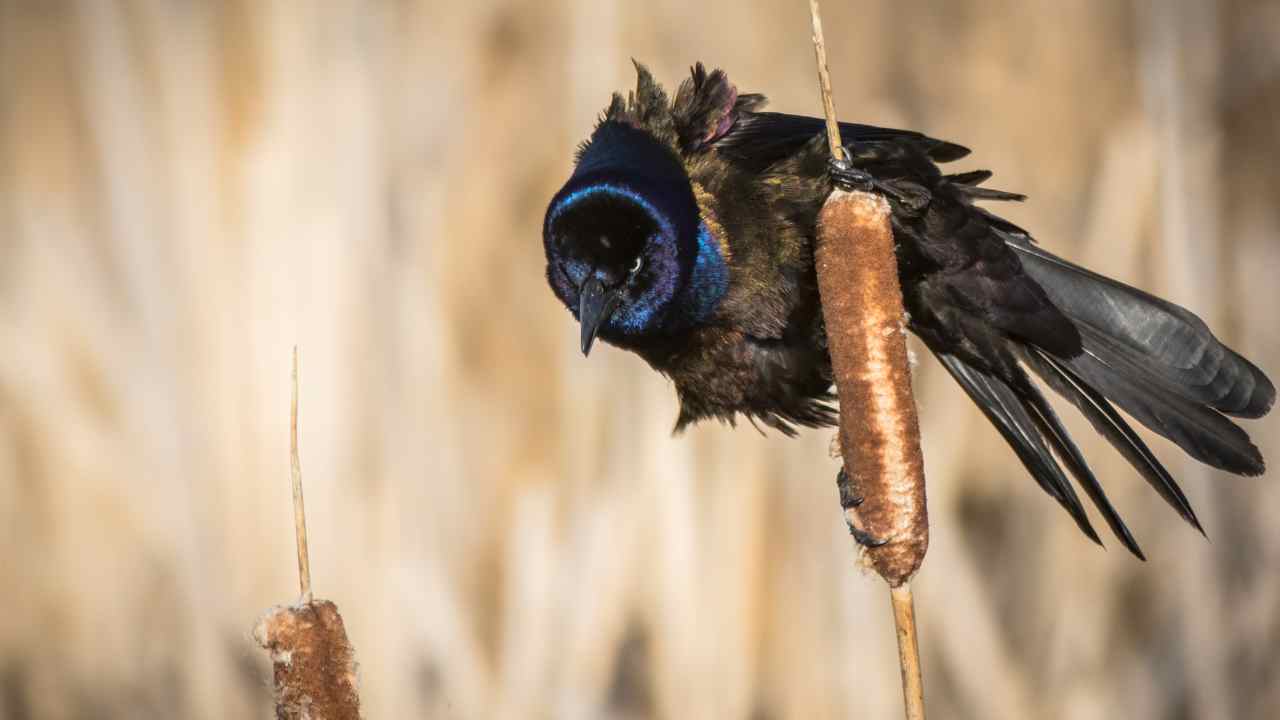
{"x":595,"y":305}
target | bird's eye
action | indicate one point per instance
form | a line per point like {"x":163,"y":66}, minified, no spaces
{"x":635,"y":266}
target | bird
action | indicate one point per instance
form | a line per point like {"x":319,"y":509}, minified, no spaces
{"x":685,"y":234}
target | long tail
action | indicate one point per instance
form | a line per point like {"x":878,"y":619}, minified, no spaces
{"x":1155,"y":360}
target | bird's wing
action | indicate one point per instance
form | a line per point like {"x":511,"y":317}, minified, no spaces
{"x":1109,"y":423}
{"x":760,"y":139}
{"x":969,"y":265}
{"x":956,"y":267}
{"x":1030,"y":426}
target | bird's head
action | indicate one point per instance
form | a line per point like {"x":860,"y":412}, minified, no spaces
{"x":627,"y":251}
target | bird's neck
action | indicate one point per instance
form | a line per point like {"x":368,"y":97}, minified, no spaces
{"x":708,"y":282}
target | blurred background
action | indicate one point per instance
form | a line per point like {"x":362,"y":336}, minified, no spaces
{"x":188,"y":189}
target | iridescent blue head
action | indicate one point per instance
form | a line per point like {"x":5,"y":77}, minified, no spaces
{"x":627,"y":250}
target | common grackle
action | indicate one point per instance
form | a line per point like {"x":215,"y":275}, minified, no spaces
{"x":686,"y":232}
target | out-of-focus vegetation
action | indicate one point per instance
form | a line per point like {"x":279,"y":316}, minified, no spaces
{"x":189,"y":188}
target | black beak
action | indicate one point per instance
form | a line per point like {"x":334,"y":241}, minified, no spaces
{"x":595,"y":305}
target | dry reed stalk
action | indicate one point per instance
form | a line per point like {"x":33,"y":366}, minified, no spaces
{"x":879,"y":432}
{"x":299,"y":509}
{"x":313,"y":663}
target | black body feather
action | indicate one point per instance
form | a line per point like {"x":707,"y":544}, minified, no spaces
{"x":710,"y":278}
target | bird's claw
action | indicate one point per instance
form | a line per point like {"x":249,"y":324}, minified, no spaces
{"x":849,"y":500}
{"x":846,"y":177}
{"x":848,"y":497}
{"x":866,"y":539}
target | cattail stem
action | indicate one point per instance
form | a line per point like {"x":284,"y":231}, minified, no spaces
{"x":904,"y":620}
{"x":883,"y":492}
{"x":299,"y":509}
{"x":824,"y":83}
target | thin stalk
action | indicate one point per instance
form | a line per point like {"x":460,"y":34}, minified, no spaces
{"x":882,"y":488}
{"x":299,"y":509}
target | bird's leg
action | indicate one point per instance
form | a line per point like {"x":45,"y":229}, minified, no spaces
{"x":850,"y":500}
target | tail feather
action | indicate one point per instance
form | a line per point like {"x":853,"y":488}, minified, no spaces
{"x":1199,"y":430}
{"x":1151,"y":358}
{"x":1147,"y":356}
{"x":1141,"y":339}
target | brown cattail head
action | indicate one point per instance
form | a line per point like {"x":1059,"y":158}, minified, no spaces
{"x":866,"y":335}
{"x":313,"y":664}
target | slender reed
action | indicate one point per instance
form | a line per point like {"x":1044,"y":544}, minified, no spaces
{"x":882,"y":488}
{"x":312,"y":662}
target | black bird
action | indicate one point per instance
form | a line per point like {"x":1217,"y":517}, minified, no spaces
{"x":686,"y":232}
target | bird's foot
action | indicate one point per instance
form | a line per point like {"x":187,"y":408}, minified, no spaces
{"x":846,"y":177}
{"x":849,"y":498}
{"x":866,"y":539}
